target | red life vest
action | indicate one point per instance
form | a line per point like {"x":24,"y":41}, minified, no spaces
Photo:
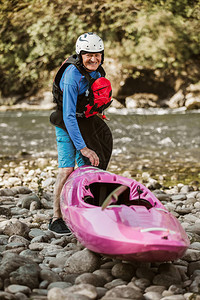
{"x":102,"y":92}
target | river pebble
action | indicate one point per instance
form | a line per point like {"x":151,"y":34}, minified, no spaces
{"x":36,"y":264}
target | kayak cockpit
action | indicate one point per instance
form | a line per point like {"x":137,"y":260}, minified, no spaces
{"x":111,"y":194}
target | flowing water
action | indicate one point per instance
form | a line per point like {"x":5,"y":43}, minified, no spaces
{"x":165,"y":143}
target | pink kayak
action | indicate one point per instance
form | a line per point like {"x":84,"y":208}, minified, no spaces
{"x":120,"y":217}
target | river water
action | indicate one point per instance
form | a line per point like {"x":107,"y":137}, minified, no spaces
{"x":165,"y":143}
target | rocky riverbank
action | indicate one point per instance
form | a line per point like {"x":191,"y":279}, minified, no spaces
{"x":187,"y":98}
{"x":36,"y":264}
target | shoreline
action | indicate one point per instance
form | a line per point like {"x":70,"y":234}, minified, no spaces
{"x":47,"y":104}
{"x":150,"y":175}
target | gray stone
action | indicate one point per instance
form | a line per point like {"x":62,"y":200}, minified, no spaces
{"x":7,"y":296}
{"x":57,"y":270}
{"x":177,"y":100}
{"x":38,"y":238}
{"x":192,"y":101}
{"x":194,"y":228}
{"x":62,"y":241}
{"x":190,"y":218}
{"x":48,"y":196}
{"x":39,"y":293}
{"x":18,"y":239}
{"x":4,"y":211}
{"x":123,"y":292}
{"x":47,"y":182}
{"x":105,"y":273}
{"x":191,"y":255}
{"x":143,"y":272}
{"x":59,"y":284}
{"x":14,"y":245}
{"x":16,"y":228}
{"x":74,"y":263}
{"x":107,"y":265}
{"x":169,"y":269}
{"x":17,"y":211}
{"x":91,"y":278}
{"x":52,"y":250}
{"x":153,"y":184}
{"x":197,"y":205}
{"x":116,"y":298}
{"x":6,"y":192}
{"x":46,"y":204}
{"x":125,"y":271}
{"x":43,"y":284}
{"x":33,"y":255}
{"x":49,"y":276}
{"x":69,"y":277}
{"x":38,"y":246}
{"x":195,"y":286}
{"x":132,"y":285}
{"x":176,"y":289}
{"x":183,"y":272}
{"x":179,"y":197}
{"x":27,"y":200}
{"x":27,"y":275}
{"x":142,"y":283}
{"x":192,"y":267}
{"x":114,"y":283}
{"x":196,"y":273}
{"x":60,"y":294}
{"x":189,"y":296}
{"x":186,"y":189}
{"x":21,"y":296}
{"x":21,"y":190}
{"x":58,"y":262}
{"x":174,"y":297}
{"x":100,"y":292}
{"x":155,"y":288}
{"x":16,"y":288}
{"x":34,"y":206}
{"x":165,"y":280}
{"x":152,"y":296}
{"x":163,"y":197}
{"x":84,"y":289}
{"x":190,"y":200}
{"x":10,"y":263}
{"x":71,"y":246}
{"x":183,"y":210}
{"x":4,"y":239}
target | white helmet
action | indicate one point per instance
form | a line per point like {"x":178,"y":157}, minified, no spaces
{"x":89,"y":42}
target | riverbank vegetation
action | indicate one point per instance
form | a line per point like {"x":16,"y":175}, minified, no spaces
{"x":143,"y":35}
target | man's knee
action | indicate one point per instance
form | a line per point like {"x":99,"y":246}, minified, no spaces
{"x":65,"y":172}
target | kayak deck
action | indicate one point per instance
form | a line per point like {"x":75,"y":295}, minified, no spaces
{"x":118,"y":216}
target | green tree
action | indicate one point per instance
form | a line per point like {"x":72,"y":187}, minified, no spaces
{"x":36,"y":36}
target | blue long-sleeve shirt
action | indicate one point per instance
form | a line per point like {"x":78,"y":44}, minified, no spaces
{"x":73,"y":83}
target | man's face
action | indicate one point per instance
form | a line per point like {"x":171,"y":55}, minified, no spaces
{"x":91,"y":61}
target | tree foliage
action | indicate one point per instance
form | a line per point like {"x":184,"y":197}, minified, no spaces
{"x":36,"y":36}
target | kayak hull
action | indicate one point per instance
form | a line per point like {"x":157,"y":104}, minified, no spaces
{"x":135,"y":226}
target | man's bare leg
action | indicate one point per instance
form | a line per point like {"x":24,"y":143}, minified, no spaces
{"x":56,"y":223}
{"x":63,"y":174}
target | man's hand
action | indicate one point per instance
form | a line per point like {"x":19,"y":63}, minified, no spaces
{"x":94,"y":159}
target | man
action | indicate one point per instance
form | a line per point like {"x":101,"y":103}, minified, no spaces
{"x":71,"y":93}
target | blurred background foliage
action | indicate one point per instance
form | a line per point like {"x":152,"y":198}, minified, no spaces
{"x":37,"y":35}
